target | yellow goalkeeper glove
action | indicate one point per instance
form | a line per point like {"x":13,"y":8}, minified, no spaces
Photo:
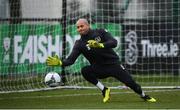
{"x":53,"y":61}
{"x":94,"y":44}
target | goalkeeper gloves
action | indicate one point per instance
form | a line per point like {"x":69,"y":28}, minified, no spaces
{"x":94,"y":44}
{"x":53,"y":61}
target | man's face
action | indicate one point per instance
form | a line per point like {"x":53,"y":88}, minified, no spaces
{"x":82,"y":27}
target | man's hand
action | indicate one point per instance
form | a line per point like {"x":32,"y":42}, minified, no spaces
{"x":53,"y":61}
{"x":94,"y":44}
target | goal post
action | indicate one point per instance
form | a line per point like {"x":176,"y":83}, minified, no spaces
{"x":148,"y":35}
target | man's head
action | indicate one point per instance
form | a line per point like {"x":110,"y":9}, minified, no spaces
{"x":82,"y":26}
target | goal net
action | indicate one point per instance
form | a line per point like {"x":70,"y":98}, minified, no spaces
{"x":147,"y":31}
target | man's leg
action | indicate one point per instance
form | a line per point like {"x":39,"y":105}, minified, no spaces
{"x":120,"y":73}
{"x":89,"y":73}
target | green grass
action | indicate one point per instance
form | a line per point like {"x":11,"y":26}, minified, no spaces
{"x":88,"y":98}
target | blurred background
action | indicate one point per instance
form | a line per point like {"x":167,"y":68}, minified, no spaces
{"x":113,"y":10}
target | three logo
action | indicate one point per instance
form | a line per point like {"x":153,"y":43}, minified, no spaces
{"x":131,"y":49}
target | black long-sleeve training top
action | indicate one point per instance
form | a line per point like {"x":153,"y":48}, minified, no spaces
{"x":96,"y":56}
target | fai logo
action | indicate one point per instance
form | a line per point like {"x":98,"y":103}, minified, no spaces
{"x":131,"y":50}
{"x":98,"y":39}
{"x":6,"y":44}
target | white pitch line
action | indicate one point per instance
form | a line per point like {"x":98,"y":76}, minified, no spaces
{"x":92,"y":94}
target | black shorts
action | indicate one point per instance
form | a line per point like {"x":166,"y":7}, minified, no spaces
{"x":103,"y":71}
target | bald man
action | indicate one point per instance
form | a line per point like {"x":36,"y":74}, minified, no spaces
{"x":97,"y":47}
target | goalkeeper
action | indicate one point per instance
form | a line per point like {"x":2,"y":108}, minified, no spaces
{"x":96,"y":45}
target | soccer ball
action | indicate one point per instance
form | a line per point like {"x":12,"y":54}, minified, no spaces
{"x":52,"y":79}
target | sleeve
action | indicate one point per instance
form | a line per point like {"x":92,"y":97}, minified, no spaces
{"x":109,"y":41}
{"x":73,"y":55}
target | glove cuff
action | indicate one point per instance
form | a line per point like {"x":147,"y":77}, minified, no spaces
{"x":101,"y":45}
{"x":60,"y":62}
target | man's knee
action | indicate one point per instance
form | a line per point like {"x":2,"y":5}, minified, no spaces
{"x":85,"y":70}
{"x":89,"y":75}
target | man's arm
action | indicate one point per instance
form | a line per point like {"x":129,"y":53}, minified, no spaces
{"x":73,"y":56}
{"x":110,"y":42}
{"x":107,"y":40}
{"x":55,"y":61}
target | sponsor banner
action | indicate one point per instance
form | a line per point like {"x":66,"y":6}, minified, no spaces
{"x":151,"y":48}
{"x":24,"y":48}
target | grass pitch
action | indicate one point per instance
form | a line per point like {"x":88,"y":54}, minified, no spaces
{"x":89,"y":99}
